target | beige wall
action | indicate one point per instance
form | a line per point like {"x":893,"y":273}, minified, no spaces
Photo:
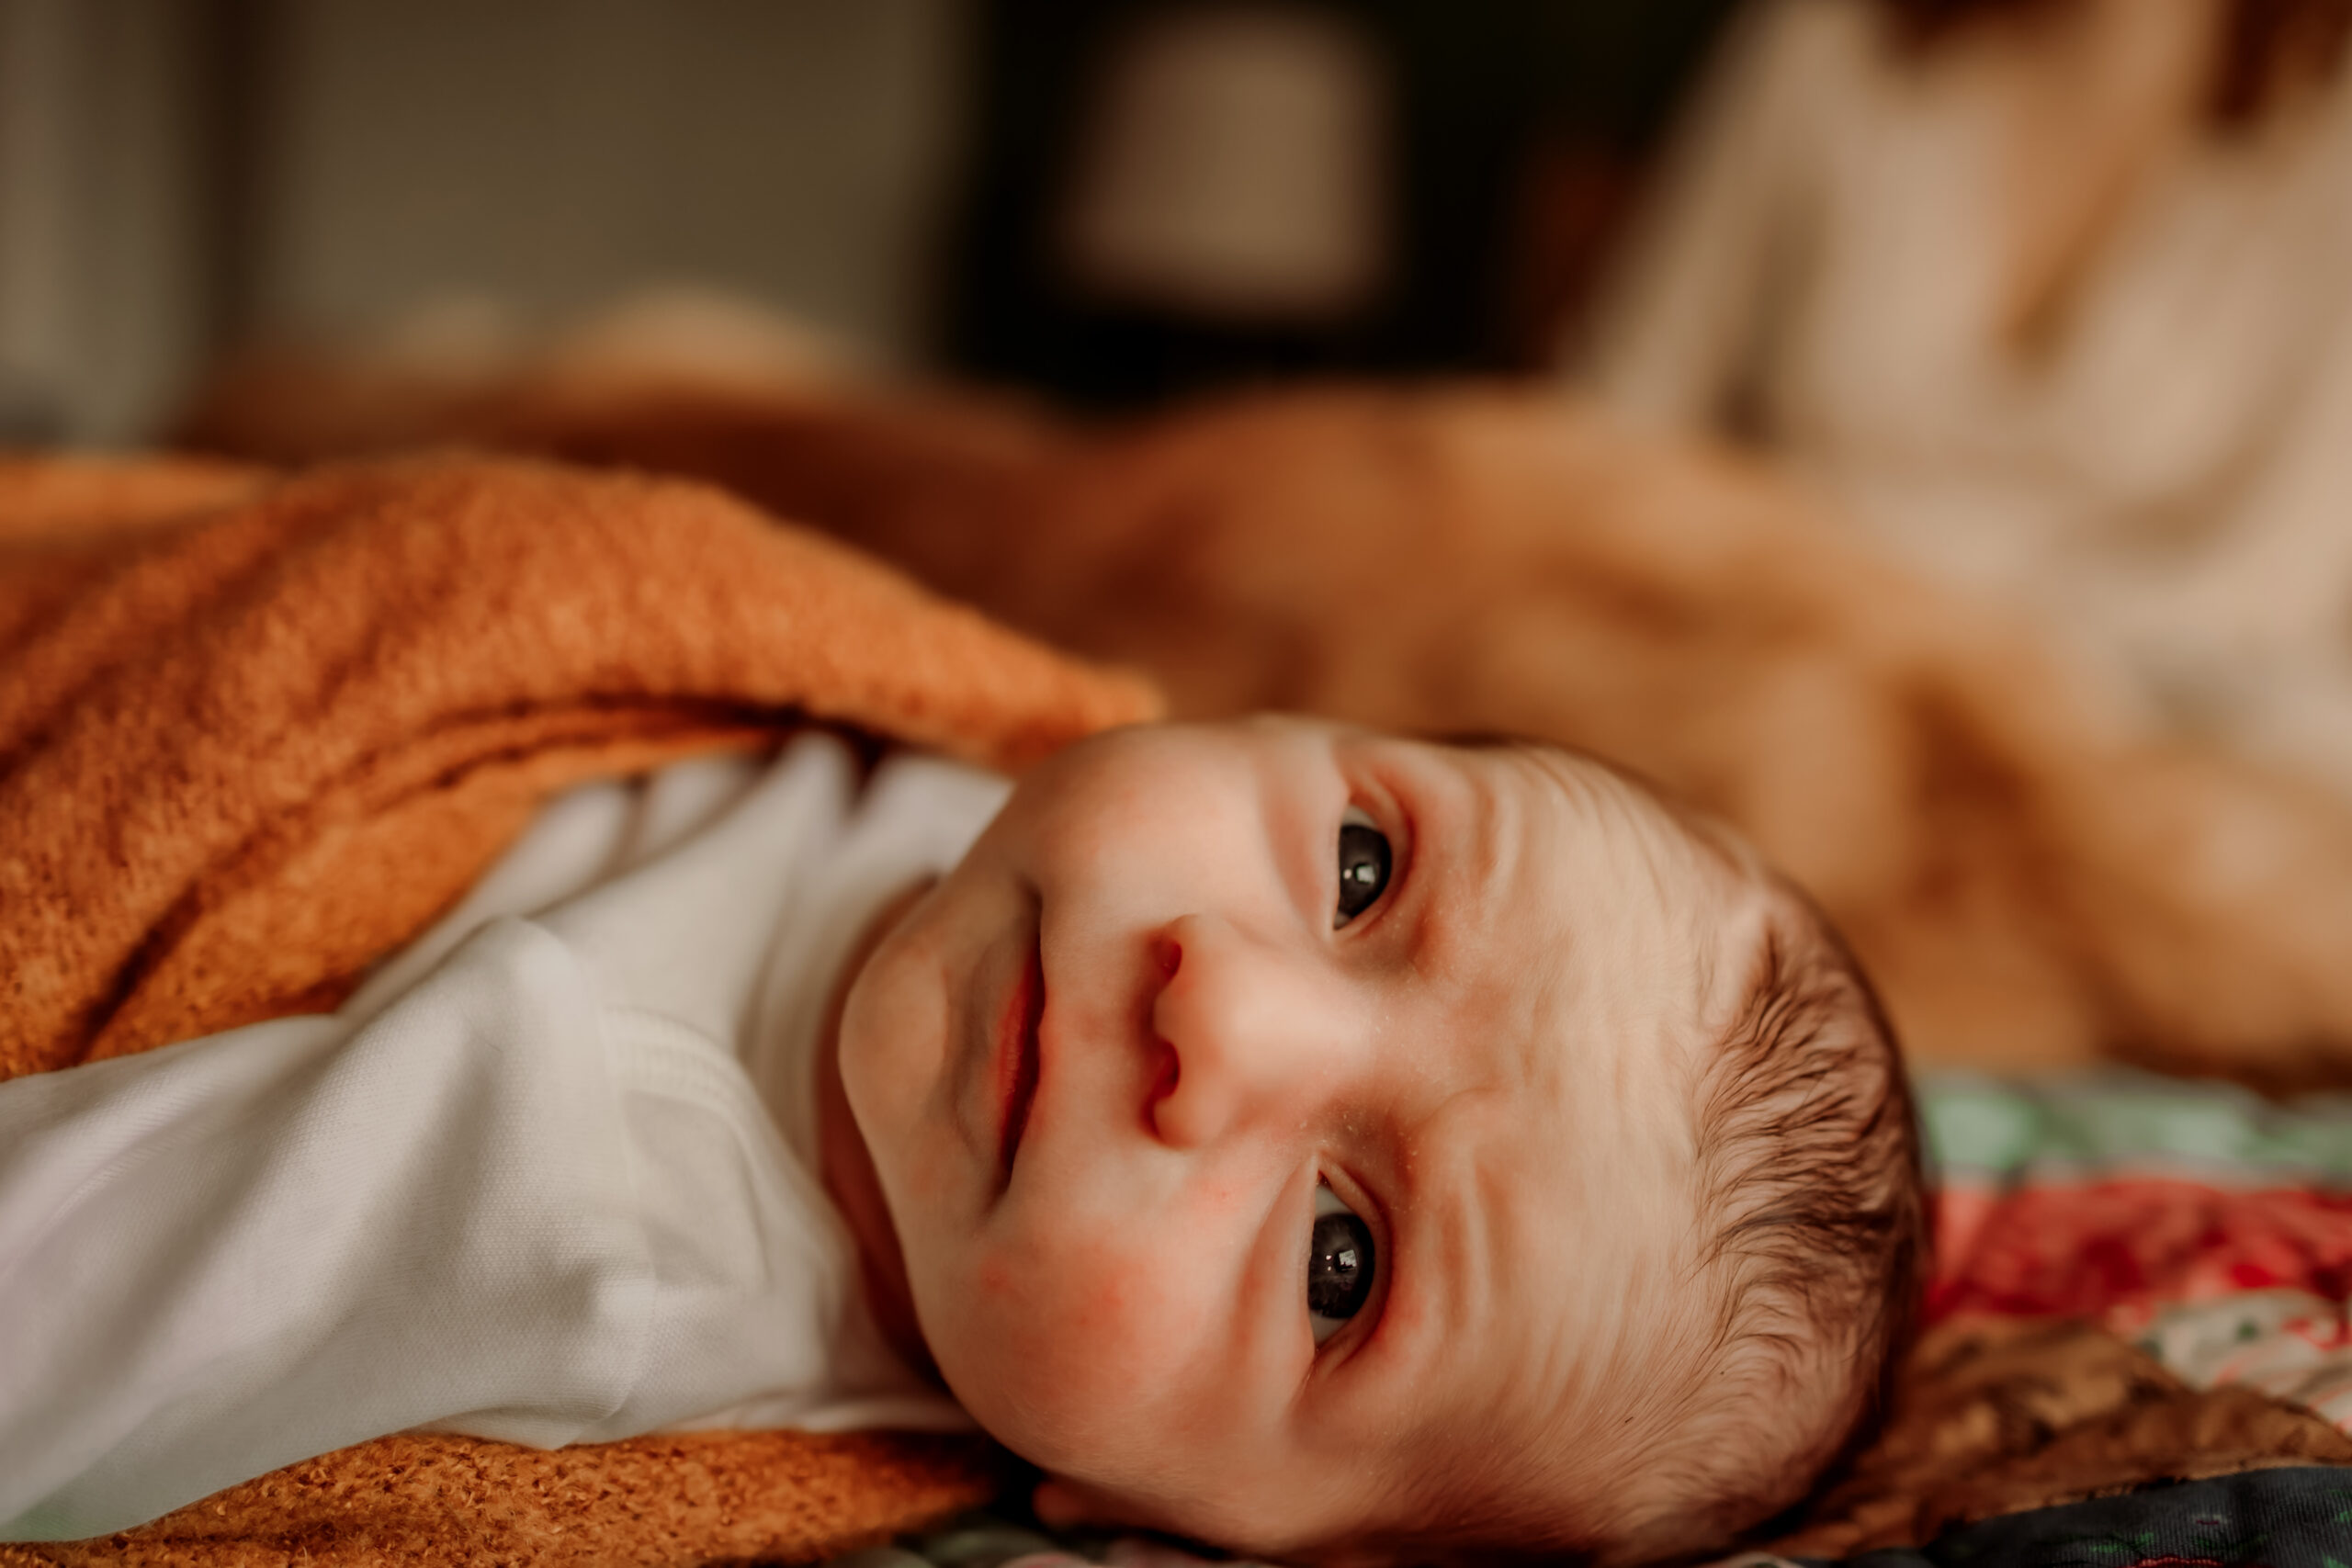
{"x":104,"y":275}
{"x":175,"y":173}
{"x":551,"y":152}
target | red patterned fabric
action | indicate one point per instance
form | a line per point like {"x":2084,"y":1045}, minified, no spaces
{"x":2092,"y":1249}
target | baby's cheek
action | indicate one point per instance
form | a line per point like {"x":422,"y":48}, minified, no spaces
{"x":929,"y":1193}
{"x":1152,"y":1290}
{"x":994,"y":1279}
{"x":1091,"y":1293}
{"x":1113,"y":1324}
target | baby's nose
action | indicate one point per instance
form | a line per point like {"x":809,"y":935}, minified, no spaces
{"x":1246,"y":1029}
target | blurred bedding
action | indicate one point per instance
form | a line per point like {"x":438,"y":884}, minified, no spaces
{"x":2032,"y":878}
{"x":2141,"y":1286}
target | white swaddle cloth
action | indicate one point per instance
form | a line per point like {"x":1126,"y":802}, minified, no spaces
{"x":551,"y":1175}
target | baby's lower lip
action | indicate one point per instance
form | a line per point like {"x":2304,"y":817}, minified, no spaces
{"x":1017,"y":1056}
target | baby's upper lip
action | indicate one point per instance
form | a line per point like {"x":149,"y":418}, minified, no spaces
{"x":1017,"y":1056}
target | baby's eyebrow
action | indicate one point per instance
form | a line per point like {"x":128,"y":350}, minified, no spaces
{"x":1475,"y":850}
{"x":1440,"y":1267}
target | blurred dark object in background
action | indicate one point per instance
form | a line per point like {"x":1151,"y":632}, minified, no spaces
{"x":1504,"y":138}
{"x":182,"y":177}
{"x":1011,"y":190}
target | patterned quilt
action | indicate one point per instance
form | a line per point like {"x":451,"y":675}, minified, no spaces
{"x":2208,"y":1233}
{"x":2138,"y":1353}
{"x":2210,"y":1228}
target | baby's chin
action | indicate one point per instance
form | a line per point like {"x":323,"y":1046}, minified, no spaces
{"x":1290,"y":1520}
{"x":1061,"y":1503}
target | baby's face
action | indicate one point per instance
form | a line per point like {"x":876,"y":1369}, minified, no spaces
{"x":1263,"y":1109}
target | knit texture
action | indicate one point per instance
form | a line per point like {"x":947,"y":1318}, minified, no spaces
{"x":257,"y":732}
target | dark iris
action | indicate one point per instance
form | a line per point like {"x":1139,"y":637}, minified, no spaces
{"x":1364,"y":870}
{"x":1338,"y":1266}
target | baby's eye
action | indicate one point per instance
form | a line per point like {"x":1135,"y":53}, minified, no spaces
{"x":1339,"y":1265}
{"x":1363,"y":865}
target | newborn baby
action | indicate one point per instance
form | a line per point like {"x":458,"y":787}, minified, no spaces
{"x":1323,"y":1145}
{"x":1595,"y":1145}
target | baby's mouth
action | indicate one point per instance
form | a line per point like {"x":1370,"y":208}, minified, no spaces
{"x":1028,"y":1006}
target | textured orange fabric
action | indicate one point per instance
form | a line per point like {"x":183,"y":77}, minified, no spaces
{"x":694,"y":1497}
{"x":256,"y":732}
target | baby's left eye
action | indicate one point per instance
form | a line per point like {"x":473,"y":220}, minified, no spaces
{"x":1363,"y":866}
{"x":1340,"y":1265}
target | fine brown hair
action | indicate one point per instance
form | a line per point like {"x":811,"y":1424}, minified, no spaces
{"x":2268,"y":50}
{"x":1811,"y":1170}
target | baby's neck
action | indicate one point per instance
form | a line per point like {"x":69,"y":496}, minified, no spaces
{"x":848,"y":1170}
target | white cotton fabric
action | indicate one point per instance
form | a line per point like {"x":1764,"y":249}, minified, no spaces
{"x":2167,"y":489}
{"x":550,"y":1176}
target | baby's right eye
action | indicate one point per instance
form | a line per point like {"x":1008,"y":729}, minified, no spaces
{"x":1363,"y":866}
{"x":1340,"y":1265}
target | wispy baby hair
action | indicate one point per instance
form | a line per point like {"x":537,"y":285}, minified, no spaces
{"x":1809,"y":1177}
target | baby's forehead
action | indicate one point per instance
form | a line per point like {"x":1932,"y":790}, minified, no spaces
{"x":1619,"y":935}
{"x":1637,"y":897}
{"x":1606,"y":956}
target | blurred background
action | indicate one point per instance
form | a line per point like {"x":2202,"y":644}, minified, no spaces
{"x":2050,"y":300}
{"x":960,"y":186}
{"x":2007,"y":343}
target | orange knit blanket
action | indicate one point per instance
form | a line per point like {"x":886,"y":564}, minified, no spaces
{"x":256,"y":732}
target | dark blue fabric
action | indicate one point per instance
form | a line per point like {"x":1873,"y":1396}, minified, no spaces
{"x":2275,"y":1518}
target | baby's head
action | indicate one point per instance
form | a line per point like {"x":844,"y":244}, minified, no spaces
{"x":1333,"y":1145}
